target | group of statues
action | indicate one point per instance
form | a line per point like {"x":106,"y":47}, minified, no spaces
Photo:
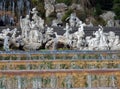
{"x":34,"y":35}
{"x":78,"y":40}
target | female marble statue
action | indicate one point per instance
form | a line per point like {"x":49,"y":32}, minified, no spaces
{"x":38,"y":20}
{"x":34,"y":33}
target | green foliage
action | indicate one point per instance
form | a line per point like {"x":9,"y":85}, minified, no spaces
{"x":39,"y":4}
{"x":48,"y":20}
{"x":98,"y":10}
{"x":81,"y":15}
{"x":105,"y":4}
{"x":67,"y":2}
{"x":116,"y":8}
{"x":67,"y":14}
{"x":41,"y":10}
{"x":116,"y":1}
{"x":99,"y":21}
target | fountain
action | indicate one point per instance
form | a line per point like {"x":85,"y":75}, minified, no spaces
{"x":89,"y":64}
{"x":19,"y":82}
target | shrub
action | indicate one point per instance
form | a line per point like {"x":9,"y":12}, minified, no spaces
{"x":116,"y":8}
{"x":81,"y":15}
{"x":98,"y":10}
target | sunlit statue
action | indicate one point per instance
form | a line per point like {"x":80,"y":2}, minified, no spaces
{"x":6,"y":43}
{"x":25,"y":25}
{"x":110,"y":23}
{"x":38,"y":20}
{"x":72,"y":19}
{"x":34,"y":33}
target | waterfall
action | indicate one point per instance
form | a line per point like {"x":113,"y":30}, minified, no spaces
{"x":13,"y":7}
{"x":89,"y":81}
{"x":53,"y":81}
{"x":19,"y":6}
{"x":16,"y":7}
{"x":19,"y":82}
{"x":28,"y":7}
{"x":0,"y":5}
{"x":4,"y":5}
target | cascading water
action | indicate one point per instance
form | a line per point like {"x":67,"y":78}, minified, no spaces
{"x":20,"y":6}
{"x":13,"y":8}
{"x":28,"y":6}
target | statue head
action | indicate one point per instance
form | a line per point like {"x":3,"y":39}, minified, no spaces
{"x":27,"y":16}
{"x":34,"y":11}
{"x":117,"y":37}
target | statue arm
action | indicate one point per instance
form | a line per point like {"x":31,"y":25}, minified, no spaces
{"x":21,"y":22}
{"x":67,"y":18}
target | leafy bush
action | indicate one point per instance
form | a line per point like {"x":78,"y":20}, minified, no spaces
{"x":81,"y":15}
{"x":116,"y":8}
{"x":40,"y":6}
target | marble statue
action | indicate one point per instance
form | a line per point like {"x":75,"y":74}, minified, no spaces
{"x":111,"y":38}
{"x":14,"y":32}
{"x":72,"y":19}
{"x":49,"y":7}
{"x":68,"y":35}
{"x":6,"y":44}
{"x":79,"y":22}
{"x":80,"y":31}
{"x":116,"y":43}
{"x":48,"y":34}
{"x":67,"y":30}
{"x":93,"y":43}
{"x":25,"y":26}
{"x":37,"y":20}
{"x":34,"y":35}
{"x":4,"y":33}
{"x":54,"y":23}
{"x":103,"y":40}
{"x":110,"y":23}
